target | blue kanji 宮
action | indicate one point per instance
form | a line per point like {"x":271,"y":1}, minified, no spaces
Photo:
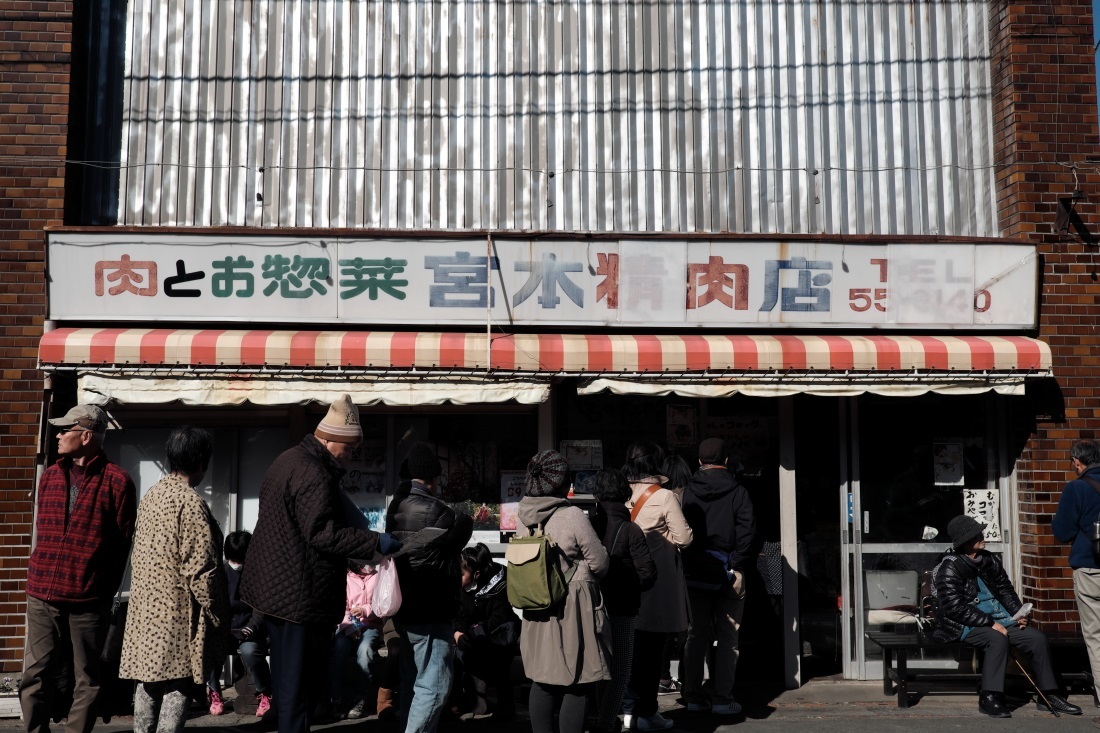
{"x":297,"y":278}
{"x":810,"y":294}
{"x":233,"y":271}
{"x":550,"y":274}
{"x":461,"y":281}
{"x":371,"y":276}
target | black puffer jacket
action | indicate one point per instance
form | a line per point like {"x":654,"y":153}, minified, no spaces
{"x":955,"y":585}
{"x":488,"y":608}
{"x":431,"y":575}
{"x":297,"y":562}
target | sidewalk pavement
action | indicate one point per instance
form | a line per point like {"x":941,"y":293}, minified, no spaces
{"x":823,"y":705}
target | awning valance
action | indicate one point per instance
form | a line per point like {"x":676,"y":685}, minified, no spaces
{"x":287,"y":352}
{"x":97,"y":389}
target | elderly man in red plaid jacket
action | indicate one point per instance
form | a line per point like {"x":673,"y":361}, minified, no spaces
{"x":86,"y":511}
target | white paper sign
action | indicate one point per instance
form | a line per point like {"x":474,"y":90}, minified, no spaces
{"x":984,"y":505}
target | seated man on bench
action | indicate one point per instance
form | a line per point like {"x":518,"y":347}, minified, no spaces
{"x":977,"y":605}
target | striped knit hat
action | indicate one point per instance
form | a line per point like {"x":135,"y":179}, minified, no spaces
{"x":341,"y":423}
{"x":546,"y":474}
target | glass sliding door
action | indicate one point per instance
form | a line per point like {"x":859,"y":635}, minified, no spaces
{"x":913,"y":465}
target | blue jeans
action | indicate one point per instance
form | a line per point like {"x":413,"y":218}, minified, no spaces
{"x":427,"y":668}
{"x":365,"y":649}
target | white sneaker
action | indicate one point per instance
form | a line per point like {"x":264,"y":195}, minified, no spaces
{"x":698,"y":707}
{"x":653,"y":722}
{"x":628,"y":721}
{"x":726,"y":708}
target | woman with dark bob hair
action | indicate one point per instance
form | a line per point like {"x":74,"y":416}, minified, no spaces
{"x":177,"y":627}
{"x":664,"y":608}
{"x":632,"y":571}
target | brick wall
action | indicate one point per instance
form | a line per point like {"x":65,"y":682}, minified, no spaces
{"x":34,"y":101}
{"x":1045,"y":120}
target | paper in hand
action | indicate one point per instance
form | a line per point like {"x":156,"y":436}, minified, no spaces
{"x":1024,"y":610}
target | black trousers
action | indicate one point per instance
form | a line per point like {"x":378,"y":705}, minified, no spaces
{"x":299,"y":666}
{"x":996,"y":645}
{"x":645,"y":671}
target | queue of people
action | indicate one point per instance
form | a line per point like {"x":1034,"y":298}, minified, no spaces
{"x":660,"y":561}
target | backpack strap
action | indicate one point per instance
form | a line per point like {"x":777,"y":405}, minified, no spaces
{"x":541,"y":526}
{"x":1091,"y":482}
{"x":642,"y":500}
{"x":615,"y":540}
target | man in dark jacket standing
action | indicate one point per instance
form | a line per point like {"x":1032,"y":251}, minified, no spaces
{"x":1078,"y":508}
{"x":86,"y":511}
{"x":976,"y":603}
{"x":296,"y":569}
{"x":719,"y":511}
{"x":431,"y":581}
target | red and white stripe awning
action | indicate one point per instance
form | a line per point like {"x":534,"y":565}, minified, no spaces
{"x":139,"y":349}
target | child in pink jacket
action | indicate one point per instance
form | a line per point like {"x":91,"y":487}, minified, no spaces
{"x":360,"y":633}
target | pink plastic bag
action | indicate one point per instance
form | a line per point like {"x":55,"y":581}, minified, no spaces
{"x":387,"y":591}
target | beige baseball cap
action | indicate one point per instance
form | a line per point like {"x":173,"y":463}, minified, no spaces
{"x":88,"y":417}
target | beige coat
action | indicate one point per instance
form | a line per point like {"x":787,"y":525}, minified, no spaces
{"x":571,"y":646}
{"x":665,"y":605}
{"x":177,"y":625}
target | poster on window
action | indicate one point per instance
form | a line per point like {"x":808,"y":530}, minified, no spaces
{"x":680,"y":426}
{"x":365,"y":481}
{"x":511,"y":491}
{"x":947,"y":459}
{"x":984,"y":505}
{"x":583,"y":455}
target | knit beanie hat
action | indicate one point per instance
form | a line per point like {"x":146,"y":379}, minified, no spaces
{"x":963,"y":530}
{"x":341,"y":423}
{"x":423,"y":463}
{"x":546,"y":474}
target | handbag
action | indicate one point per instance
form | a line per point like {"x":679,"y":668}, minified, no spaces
{"x":386,"y":599}
{"x":116,"y":627}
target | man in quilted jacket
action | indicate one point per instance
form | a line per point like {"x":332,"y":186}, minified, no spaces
{"x":86,"y":511}
{"x":295,"y":574}
{"x":977,"y":605}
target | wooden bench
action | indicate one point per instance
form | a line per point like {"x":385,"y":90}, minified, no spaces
{"x":897,"y":645}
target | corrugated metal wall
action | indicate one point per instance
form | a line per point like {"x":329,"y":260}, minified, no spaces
{"x":840,"y":116}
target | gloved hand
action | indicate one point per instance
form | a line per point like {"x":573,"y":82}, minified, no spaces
{"x":387,"y":543}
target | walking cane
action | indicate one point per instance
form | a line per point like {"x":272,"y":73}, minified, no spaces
{"x":1041,"y":695}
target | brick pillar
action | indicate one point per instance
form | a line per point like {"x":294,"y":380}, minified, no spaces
{"x":1045,"y":120}
{"x":34,"y":106}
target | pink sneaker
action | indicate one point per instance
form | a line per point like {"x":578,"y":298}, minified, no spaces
{"x":264,"y":706}
{"x":217,"y":705}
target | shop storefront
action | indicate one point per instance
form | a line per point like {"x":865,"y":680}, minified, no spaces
{"x":860,"y":431}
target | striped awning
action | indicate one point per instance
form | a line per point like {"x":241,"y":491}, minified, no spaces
{"x":286,"y":351}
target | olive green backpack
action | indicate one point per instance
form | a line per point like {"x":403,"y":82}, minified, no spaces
{"x":535,"y":579}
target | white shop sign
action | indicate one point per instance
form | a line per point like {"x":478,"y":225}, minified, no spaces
{"x":568,"y":282}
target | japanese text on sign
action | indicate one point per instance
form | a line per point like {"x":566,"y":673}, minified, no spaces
{"x":611,"y":283}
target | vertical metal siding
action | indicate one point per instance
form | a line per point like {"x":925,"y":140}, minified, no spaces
{"x":841,"y":116}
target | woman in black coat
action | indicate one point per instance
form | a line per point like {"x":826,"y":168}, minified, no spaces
{"x":632,"y":571}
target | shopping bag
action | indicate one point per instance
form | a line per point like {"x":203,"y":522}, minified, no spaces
{"x":387,"y":590}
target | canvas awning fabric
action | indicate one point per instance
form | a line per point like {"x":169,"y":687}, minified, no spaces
{"x":686,"y":364}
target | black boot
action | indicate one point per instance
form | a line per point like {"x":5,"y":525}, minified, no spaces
{"x":993,"y":704}
{"x":1060,"y":705}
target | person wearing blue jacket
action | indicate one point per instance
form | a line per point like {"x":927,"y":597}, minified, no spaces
{"x":1078,"y":508}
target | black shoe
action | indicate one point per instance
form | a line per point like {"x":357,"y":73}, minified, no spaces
{"x":1060,"y":705}
{"x":993,"y":704}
